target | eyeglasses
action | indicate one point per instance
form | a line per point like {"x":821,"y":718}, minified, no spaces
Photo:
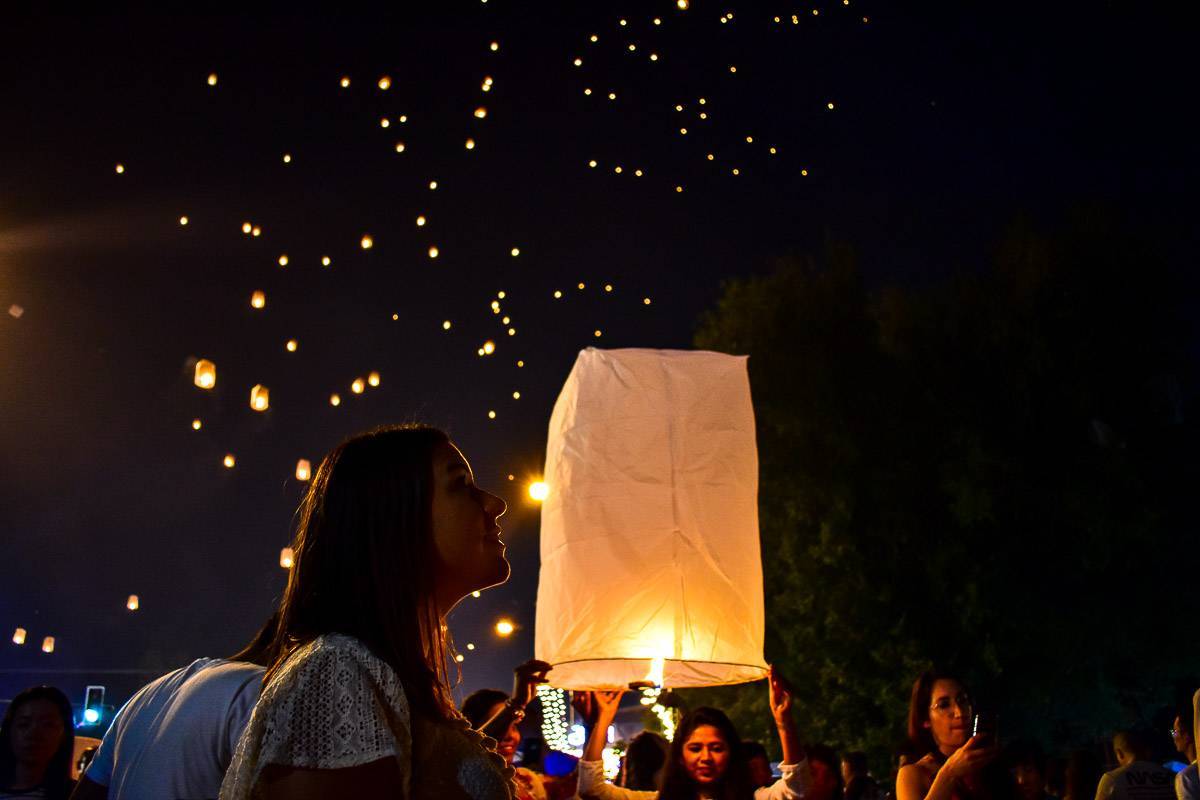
{"x":944,"y":704}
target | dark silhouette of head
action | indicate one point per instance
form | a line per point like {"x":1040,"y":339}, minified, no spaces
{"x":23,"y":738}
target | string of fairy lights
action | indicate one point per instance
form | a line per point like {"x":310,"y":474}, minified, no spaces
{"x":709,"y":147}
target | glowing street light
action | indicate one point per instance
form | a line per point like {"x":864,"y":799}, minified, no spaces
{"x":539,"y":491}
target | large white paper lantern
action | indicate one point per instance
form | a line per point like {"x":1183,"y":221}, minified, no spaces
{"x":650,"y":546}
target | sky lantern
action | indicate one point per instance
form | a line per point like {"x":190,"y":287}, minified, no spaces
{"x":132,"y":603}
{"x":335,"y":400}
{"x":326,"y":261}
{"x":481,"y":112}
{"x":653,"y":461}
{"x":303,"y":469}
{"x":229,"y":461}
{"x":48,"y":644}
{"x":120,"y":169}
{"x":373,"y":378}
{"x":357,"y":386}
{"x":183,"y":220}
{"x":287,"y":558}
{"x":19,"y":636}
{"x":291,"y":345}
{"x":367,"y":242}
{"x":283,"y":260}
{"x":505,"y":627}
{"x":385,"y":83}
{"x":345,"y":82}
{"x":206,"y":374}
{"x":433,"y":252}
{"x":260,"y":397}
{"x":258,"y":299}
{"x":197,"y":424}
{"x":212,"y":79}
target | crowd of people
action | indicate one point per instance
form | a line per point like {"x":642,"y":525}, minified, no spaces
{"x":346,"y":692}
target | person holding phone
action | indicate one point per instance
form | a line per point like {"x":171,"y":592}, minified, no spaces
{"x":941,"y":724}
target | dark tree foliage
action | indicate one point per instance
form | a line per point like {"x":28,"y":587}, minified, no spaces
{"x":989,"y":474}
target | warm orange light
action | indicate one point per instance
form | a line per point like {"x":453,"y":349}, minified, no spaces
{"x":212,"y":79}
{"x":373,"y":379}
{"x":385,"y":83}
{"x":326,"y":261}
{"x":19,"y":636}
{"x":505,"y":627}
{"x":345,"y":82}
{"x":120,"y":169}
{"x":283,"y":260}
{"x":480,"y":113}
{"x":303,"y":469}
{"x":489,"y":347}
{"x":433,"y":252}
{"x":421,"y":221}
{"x":183,"y":220}
{"x":516,"y":251}
{"x":258,"y":299}
{"x":539,"y":491}
{"x":367,"y":242}
{"x":197,"y":424}
{"x":229,"y":461}
{"x":132,"y":603}
{"x":358,"y":385}
{"x":335,"y":400}
{"x":287,"y":559}
{"x":291,"y":345}
{"x":48,"y":644}
{"x":206,"y":374}
{"x":470,"y":144}
{"x":246,"y":228}
{"x":260,"y":397}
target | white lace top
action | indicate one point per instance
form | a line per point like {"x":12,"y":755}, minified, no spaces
{"x":334,"y":705}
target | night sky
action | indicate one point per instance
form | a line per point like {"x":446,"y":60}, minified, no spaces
{"x":945,"y":124}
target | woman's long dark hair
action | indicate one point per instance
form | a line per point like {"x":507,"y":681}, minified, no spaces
{"x":920,"y":737}
{"x":364,"y":558}
{"x":734,"y":783}
{"x":57,"y":780}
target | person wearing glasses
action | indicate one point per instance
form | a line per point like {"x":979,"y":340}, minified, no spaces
{"x":954,"y":763}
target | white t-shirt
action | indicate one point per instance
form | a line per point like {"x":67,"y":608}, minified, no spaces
{"x":1187,"y":783}
{"x":174,"y":739}
{"x":1141,"y":780}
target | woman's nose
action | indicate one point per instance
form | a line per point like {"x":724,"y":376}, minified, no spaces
{"x":494,"y":504}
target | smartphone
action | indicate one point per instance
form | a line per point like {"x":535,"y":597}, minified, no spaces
{"x":985,"y":727}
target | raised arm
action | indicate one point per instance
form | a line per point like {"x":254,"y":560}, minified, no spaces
{"x":526,"y":679}
{"x":785,"y":724}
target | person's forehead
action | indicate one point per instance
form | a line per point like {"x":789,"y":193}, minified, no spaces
{"x":945,"y":687}
{"x":706,"y":733}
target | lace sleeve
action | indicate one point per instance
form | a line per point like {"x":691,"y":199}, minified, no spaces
{"x":334,"y":705}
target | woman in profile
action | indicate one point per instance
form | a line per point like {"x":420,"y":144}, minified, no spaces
{"x":37,"y":742}
{"x":391,"y":534}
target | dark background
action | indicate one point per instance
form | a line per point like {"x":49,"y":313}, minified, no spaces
{"x":948,"y":122}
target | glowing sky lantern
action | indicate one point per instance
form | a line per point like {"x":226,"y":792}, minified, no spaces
{"x":470,"y":144}
{"x":433,"y":252}
{"x":229,"y":461}
{"x":287,"y":559}
{"x":652,"y":457}
{"x":399,"y":147}
{"x":258,"y":299}
{"x":480,"y":112}
{"x":357,"y":386}
{"x":335,"y":400}
{"x":366,"y":242}
{"x":120,"y":168}
{"x":283,"y":260}
{"x":303,"y":469}
{"x":489,"y":347}
{"x":446,"y":325}
{"x":516,"y":251}
{"x":345,"y":82}
{"x":291,"y":345}
{"x":183,"y":220}
{"x":260,"y":397}
{"x":505,"y":627}
{"x":48,"y":644}
{"x":212,"y":79}
{"x":256,"y":231}
{"x":385,"y":83}
{"x":19,"y":636}
{"x":132,"y":603}
{"x":206,"y":374}
{"x":373,"y":379}
{"x":197,"y":424}
{"x":326,"y":261}
{"x":421,"y":221}
{"x":246,"y":228}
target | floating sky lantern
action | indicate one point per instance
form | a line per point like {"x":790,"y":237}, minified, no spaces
{"x":120,"y":168}
{"x":357,"y":386}
{"x":258,"y":299}
{"x":366,"y":242}
{"x":18,"y":636}
{"x":505,"y":627}
{"x":421,"y":221}
{"x":516,"y":251}
{"x":48,"y":644}
{"x":287,"y":158}
{"x":399,"y":147}
{"x":283,"y":260}
{"x":335,"y":400}
{"x":260,"y":397}
{"x":246,"y":228}
{"x":385,"y":83}
{"x":489,"y":347}
{"x":326,"y":261}
{"x":183,"y":220}
{"x":303,"y":469}
{"x":345,"y":82}
{"x":433,"y":252}
{"x":206,"y":374}
{"x":373,"y":379}
{"x":433,"y":185}
{"x":491,"y":415}
{"x":675,"y":564}
{"x":132,"y":603}
{"x":197,"y":424}
{"x":446,"y":325}
{"x":481,"y":112}
{"x":229,"y":461}
{"x":256,"y":231}
{"x":291,"y":345}
{"x":212,"y":79}
{"x":287,"y":559}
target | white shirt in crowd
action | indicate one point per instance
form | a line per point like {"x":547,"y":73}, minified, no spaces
{"x":1141,"y":780}
{"x":1187,"y":783}
{"x":174,"y":739}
